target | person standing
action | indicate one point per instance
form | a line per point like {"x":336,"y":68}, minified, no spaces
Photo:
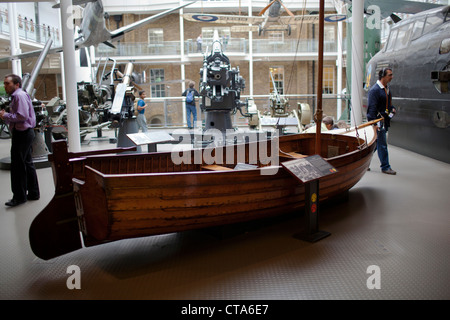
{"x":199,"y":43}
{"x":21,"y":120}
{"x":190,"y":95}
{"x":141,"y":105}
{"x":380,"y":105}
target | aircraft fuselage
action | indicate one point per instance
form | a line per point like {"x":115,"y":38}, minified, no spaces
{"x":413,"y":51}
{"x":93,"y":26}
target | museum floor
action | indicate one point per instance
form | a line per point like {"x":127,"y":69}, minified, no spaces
{"x":401,"y":224}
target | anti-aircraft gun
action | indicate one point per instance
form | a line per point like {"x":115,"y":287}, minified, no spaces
{"x":4,"y":129}
{"x":122,"y":110}
{"x":279,"y":105}
{"x":220,"y":89}
{"x":279,"y":116}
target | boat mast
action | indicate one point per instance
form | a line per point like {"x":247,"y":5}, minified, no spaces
{"x":318,"y":115}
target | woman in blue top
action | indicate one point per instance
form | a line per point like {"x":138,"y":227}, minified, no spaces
{"x":141,"y":105}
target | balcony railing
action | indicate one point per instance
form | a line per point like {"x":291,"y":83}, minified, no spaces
{"x":30,"y":31}
{"x":234,"y":45}
{"x":291,"y":46}
{"x":140,"y":49}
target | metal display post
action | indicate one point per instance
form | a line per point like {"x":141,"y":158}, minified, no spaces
{"x":309,"y":171}
{"x":312,"y":232}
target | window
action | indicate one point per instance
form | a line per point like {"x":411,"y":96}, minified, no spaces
{"x":276,"y":36}
{"x":155,"y":40}
{"x":417,"y":30}
{"x":391,"y":40}
{"x":158,"y":90}
{"x":276,"y":76}
{"x":431,"y":23}
{"x":155,"y":36}
{"x":403,"y":36}
{"x":328,"y":80}
{"x":208,"y":33}
{"x":329,"y":33}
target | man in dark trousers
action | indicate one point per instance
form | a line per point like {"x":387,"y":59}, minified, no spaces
{"x":380,"y":105}
{"x":190,"y":95}
{"x":21,"y":120}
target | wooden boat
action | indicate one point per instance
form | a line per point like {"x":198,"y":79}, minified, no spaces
{"x":109,"y":198}
{"x":121,"y":196}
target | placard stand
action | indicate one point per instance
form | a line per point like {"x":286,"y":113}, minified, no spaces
{"x":150,"y":138}
{"x":312,"y":233}
{"x":309,"y":171}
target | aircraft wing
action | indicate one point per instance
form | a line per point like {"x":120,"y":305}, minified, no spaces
{"x":255,"y":28}
{"x":74,"y":3}
{"x":222,"y":18}
{"x":311,"y":18}
{"x":217,"y":18}
{"x":118,"y":33}
{"x":29,"y":54}
{"x":388,"y":7}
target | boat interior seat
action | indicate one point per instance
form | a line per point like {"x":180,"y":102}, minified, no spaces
{"x":292,"y":155}
{"x":297,"y":155}
{"x":214,"y":167}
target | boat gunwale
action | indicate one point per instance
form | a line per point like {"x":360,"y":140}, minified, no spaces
{"x":173,"y":173}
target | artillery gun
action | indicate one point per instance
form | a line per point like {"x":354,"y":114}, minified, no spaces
{"x":220,"y":89}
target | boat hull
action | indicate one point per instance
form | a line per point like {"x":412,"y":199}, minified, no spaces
{"x":137,"y":195}
{"x":151,"y":205}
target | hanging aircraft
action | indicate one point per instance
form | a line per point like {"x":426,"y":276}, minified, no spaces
{"x":269,"y":19}
{"x":418,"y":51}
{"x":93,"y":29}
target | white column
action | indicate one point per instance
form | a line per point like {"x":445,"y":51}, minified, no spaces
{"x":70,"y":75}
{"x":14,"y":38}
{"x":61,"y":59}
{"x":183,"y":71}
{"x":339,"y":65}
{"x":357,"y":61}
{"x":250,"y":51}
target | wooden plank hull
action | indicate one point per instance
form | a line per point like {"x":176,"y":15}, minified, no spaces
{"x":128,"y":196}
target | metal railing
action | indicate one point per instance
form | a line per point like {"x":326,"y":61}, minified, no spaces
{"x":30,"y":31}
{"x":140,"y":49}
{"x":234,"y":46}
{"x":168,"y":112}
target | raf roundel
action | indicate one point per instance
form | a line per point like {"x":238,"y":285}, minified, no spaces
{"x":336,"y":18}
{"x":204,"y":18}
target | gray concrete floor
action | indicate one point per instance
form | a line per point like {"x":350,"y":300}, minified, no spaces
{"x":400,"y":224}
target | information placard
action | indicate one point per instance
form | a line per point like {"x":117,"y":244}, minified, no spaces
{"x":309,"y":168}
{"x":149,"y":137}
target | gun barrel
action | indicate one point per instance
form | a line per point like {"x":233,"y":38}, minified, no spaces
{"x":127,"y":75}
{"x":29,"y":85}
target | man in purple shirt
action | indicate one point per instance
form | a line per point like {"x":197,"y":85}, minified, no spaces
{"x":21,"y":120}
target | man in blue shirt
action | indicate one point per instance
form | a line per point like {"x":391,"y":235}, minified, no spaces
{"x":21,"y":120}
{"x":141,"y":105}
{"x":380,"y":105}
{"x":190,"y":95}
